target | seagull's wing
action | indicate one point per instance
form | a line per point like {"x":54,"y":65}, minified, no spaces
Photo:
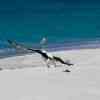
{"x":61,"y":61}
{"x":58,"y":59}
{"x":18,"y":46}
{"x":12,"y":43}
{"x":20,"y":49}
{"x":36,"y":50}
{"x":15,"y":45}
{"x":40,"y":52}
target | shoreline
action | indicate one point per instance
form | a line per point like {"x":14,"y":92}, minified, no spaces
{"x":5,"y":53}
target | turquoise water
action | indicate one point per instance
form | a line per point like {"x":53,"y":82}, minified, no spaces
{"x":66,"y":24}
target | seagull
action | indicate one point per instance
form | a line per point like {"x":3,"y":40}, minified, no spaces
{"x":48,"y":57}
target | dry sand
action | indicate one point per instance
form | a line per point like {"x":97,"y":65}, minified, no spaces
{"x":30,"y":79}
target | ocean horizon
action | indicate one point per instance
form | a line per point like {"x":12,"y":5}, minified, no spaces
{"x":7,"y":51}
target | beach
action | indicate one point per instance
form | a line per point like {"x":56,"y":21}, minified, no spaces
{"x":27,"y":77}
{"x":69,"y":29}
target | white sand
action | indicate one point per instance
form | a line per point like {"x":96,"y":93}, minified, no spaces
{"x":31,"y":80}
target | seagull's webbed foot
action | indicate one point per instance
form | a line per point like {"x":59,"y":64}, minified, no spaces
{"x":66,"y":70}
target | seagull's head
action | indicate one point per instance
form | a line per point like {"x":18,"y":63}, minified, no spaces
{"x":44,"y":51}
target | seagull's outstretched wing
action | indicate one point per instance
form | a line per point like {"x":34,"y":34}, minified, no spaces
{"x":19,"y":47}
{"x":40,"y":52}
{"x":61,"y":61}
{"x":14,"y":44}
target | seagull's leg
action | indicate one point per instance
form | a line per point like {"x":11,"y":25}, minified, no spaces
{"x":54,"y":62}
{"x":48,"y":63}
